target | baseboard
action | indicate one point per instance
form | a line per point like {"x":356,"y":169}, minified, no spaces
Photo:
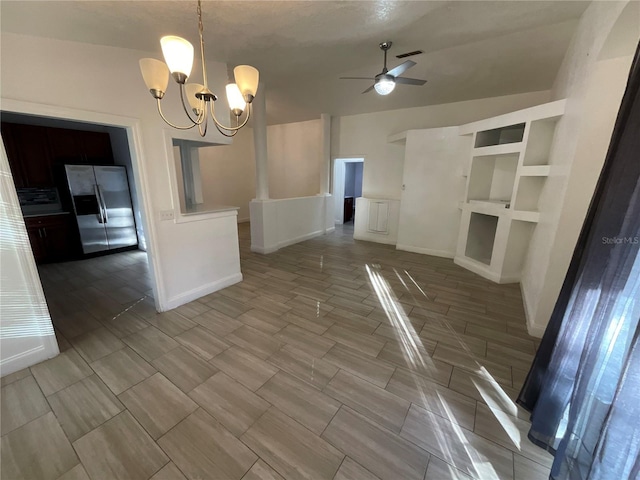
{"x":425,"y":251}
{"x":301,"y":238}
{"x":477,"y":269}
{"x":244,"y":219}
{"x":376,"y":239}
{"x":264,"y":250}
{"x":26,"y":359}
{"x":196,"y":293}
{"x":534,"y":330}
{"x":290,"y":241}
{"x":483,"y":271}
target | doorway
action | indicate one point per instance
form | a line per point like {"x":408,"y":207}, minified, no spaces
{"x":347,"y":187}
{"x":90,"y":297}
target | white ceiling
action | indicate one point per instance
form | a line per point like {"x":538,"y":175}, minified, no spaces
{"x":473,"y":49}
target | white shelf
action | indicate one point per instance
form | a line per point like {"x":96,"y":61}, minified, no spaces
{"x":493,"y":239}
{"x":535,"y":171}
{"x":504,"y":149}
{"x":525,"y":216}
{"x":547,"y":111}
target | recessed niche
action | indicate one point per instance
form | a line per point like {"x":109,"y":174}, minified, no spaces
{"x":492,"y":177}
{"x":528,"y":194}
{"x":500,"y":136}
{"x":482,"y":234}
{"x":539,"y":142}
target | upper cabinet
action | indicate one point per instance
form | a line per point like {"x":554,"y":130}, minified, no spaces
{"x":79,"y":147}
{"x":28,"y":153}
{"x":35,"y":151}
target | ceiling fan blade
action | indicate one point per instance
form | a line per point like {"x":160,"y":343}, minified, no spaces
{"x":368,"y":89}
{"x":410,"y":81}
{"x":400,"y":69}
{"x":357,"y":78}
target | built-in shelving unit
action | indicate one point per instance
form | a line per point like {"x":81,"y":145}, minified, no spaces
{"x":508,"y":169}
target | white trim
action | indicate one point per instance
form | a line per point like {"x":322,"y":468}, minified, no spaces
{"x":374,"y":238}
{"x":426,"y":251}
{"x":538,"y":112}
{"x":196,"y":293}
{"x":29,"y":357}
{"x":215,"y":213}
{"x":301,"y":238}
{"x":533,"y":329}
{"x":134,"y":137}
{"x":263,"y":250}
{"x":290,"y":241}
{"x":244,"y":219}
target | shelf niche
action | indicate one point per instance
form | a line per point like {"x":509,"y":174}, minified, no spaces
{"x":528,"y":194}
{"x":482,"y":235}
{"x":539,"y":142}
{"x":492,"y":177}
{"x":500,"y":136}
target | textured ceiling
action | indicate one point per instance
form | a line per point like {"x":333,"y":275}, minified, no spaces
{"x":473,"y":49}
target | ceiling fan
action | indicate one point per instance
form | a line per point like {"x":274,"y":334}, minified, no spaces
{"x":386,"y":81}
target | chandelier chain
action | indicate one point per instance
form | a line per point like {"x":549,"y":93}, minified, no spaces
{"x":201,"y":33}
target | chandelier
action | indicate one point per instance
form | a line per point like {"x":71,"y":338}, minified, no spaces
{"x":178,"y":55}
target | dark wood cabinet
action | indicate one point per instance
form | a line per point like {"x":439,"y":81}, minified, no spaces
{"x":35,"y":152}
{"x":11,"y":148}
{"x":29,"y":155}
{"x":79,"y":147}
{"x":53,"y":237}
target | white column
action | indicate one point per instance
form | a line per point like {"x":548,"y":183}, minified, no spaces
{"x":260,"y":144}
{"x":325,"y":170}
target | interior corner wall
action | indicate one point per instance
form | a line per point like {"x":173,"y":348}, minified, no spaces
{"x":295,"y":159}
{"x":593,"y":85}
{"x":84,"y":80}
{"x":228,"y":173}
{"x":366,"y":135}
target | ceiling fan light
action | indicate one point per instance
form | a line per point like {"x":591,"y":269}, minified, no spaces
{"x":247,"y":78}
{"x":178,"y":53}
{"x":384,"y":86}
{"x":155,"y":75}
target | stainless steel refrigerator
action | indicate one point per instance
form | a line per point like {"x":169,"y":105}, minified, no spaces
{"x":102,"y":204}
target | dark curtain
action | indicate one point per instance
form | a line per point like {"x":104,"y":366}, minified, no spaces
{"x":584,"y":386}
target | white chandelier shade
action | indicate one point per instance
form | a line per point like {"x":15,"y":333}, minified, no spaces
{"x":178,"y":54}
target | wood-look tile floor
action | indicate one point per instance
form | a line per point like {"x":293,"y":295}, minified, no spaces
{"x":332,"y":359}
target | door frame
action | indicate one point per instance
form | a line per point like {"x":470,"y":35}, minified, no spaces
{"x":134,"y":138}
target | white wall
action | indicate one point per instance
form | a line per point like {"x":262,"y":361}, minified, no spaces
{"x":85,"y":82}
{"x":592,"y":78}
{"x":228,"y":173}
{"x":278,"y":223}
{"x":26,"y":332}
{"x":433,"y":187}
{"x":295,"y":159}
{"x":361,"y":222}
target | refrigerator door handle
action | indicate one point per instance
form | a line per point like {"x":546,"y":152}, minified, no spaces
{"x":104,"y":205}
{"x":101,"y":214}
